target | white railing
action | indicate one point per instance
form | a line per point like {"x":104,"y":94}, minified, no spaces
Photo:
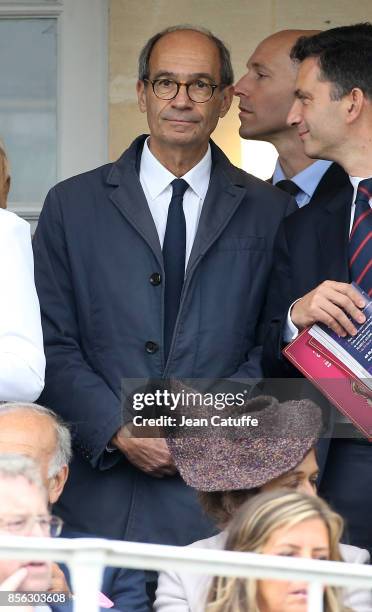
{"x":86,"y":559}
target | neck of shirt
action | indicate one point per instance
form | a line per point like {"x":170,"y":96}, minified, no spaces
{"x":156,"y":181}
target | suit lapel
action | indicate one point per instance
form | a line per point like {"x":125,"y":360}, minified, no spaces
{"x":221,"y":202}
{"x":333,"y":234}
{"x":333,"y":180}
{"x":129,"y":198}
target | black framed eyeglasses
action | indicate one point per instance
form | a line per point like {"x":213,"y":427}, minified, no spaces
{"x":199,"y":91}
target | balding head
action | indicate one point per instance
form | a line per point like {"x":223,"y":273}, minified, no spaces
{"x":266,"y":91}
{"x":283,"y":41}
{"x":37,"y":432}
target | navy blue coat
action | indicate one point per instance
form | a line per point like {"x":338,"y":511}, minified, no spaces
{"x":311,"y":247}
{"x":96,"y":247}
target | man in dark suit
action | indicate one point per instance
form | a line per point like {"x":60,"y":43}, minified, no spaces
{"x":127,"y":291}
{"x":321,"y":249}
{"x":266,"y":94}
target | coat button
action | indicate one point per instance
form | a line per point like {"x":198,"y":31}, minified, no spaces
{"x":151,"y":347}
{"x":155,"y":279}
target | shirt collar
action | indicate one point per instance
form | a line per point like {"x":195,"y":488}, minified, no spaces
{"x":157,"y":177}
{"x":198,"y":177}
{"x":308,"y":179}
{"x":355,"y":180}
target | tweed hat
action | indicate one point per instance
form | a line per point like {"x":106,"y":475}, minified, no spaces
{"x":254,"y":456}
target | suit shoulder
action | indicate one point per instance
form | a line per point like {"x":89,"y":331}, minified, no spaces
{"x":91,"y":177}
{"x":255,"y":187}
{"x":76,"y":194}
{"x":260,"y":190}
{"x":334,"y":178}
{"x":241,"y":177}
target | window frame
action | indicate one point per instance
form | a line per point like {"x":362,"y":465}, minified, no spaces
{"x":82,"y":118}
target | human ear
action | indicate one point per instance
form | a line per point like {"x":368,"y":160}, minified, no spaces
{"x":56,"y":484}
{"x":228,"y":94}
{"x":354,"y":102}
{"x":141,"y":96}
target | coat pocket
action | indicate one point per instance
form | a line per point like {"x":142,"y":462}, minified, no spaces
{"x":248,"y":243}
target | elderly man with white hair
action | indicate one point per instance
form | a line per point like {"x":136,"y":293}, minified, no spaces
{"x":24,"y":511}
{"x":35,"y":431}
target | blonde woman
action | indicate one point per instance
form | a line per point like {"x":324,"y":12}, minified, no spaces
{"x":286,"y":524}
{"x":227,"y":471}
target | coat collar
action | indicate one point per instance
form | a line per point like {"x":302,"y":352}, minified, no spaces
{"x":223,"y":197}
{"x":334,"y":181}
{"x":129,"y":198}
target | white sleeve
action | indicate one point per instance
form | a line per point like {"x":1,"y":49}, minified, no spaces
{"x":357,"y":599}
{"x":170,"y":594}
{"x":22,"y":360}
{"x":290,"y":331}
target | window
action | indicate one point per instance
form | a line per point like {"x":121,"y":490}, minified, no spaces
{"x":28,"y":105}
{"x":53,"y":99}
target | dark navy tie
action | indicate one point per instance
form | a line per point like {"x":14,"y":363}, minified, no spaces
{"x":174,"y":249}
{"x":288,"y":186}
{"x":360,"y":245}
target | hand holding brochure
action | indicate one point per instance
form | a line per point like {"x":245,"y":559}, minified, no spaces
{"x":340,"y":367}
{"x":355,"y":352}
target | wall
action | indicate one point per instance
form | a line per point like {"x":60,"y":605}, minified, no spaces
{"x":242,"y":24}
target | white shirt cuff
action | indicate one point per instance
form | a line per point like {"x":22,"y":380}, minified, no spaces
{"x":290,"y":331}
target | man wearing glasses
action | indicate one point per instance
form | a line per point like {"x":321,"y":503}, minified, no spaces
{"x":155,"y":266}
{"x":24,"y":512}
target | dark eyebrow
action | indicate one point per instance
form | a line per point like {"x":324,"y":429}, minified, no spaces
{"x":191,"y":77}
{"x":258,"y":66}
{"x":302,"y":94}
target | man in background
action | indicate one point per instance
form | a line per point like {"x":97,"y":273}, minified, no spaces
{"x":24,"y":511}
{"x":266,"y":94}
{"x":321,"y":249}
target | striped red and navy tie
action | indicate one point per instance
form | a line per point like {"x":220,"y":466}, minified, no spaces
{"x":360,"y":245}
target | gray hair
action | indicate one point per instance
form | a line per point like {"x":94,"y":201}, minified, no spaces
{"x":14,"y":465}
{"x":227,"y":73}
{"x":63,"y":453}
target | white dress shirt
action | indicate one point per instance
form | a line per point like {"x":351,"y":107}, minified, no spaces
{"x":156,"y":184}
{"x":290,"y":330}
{"x":22,"y":361}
